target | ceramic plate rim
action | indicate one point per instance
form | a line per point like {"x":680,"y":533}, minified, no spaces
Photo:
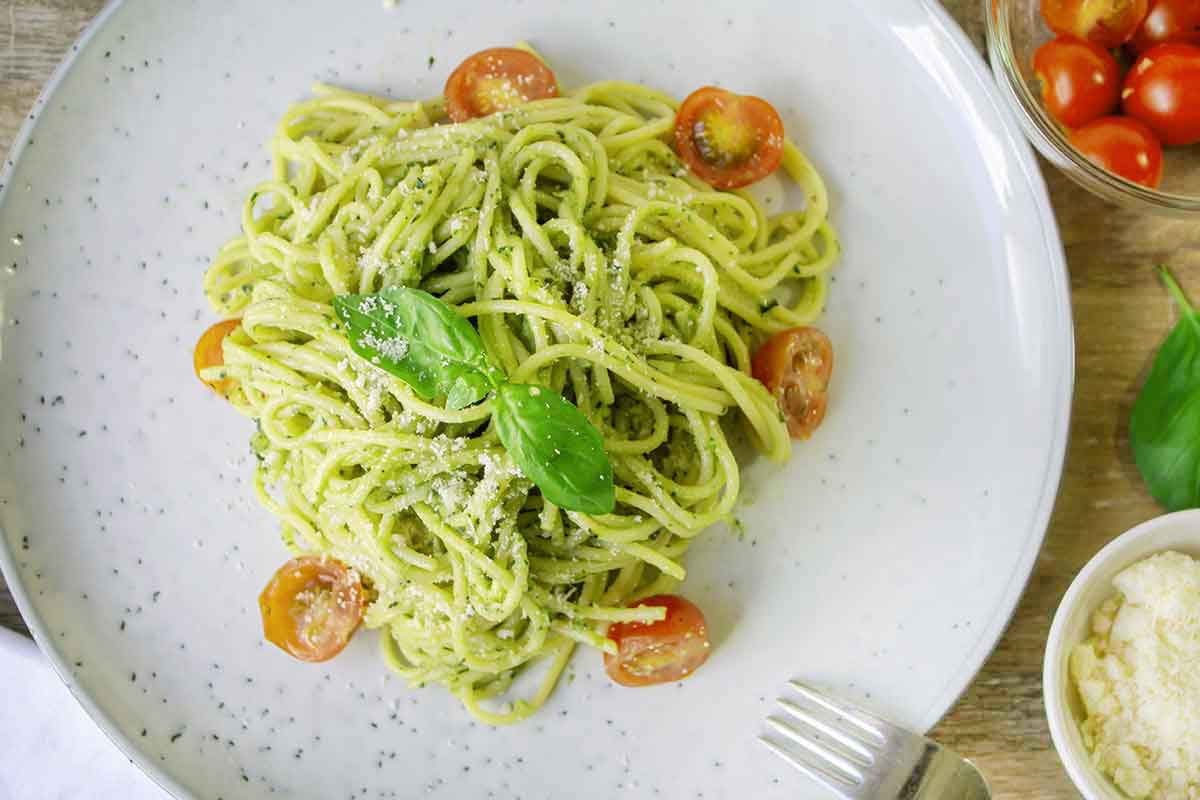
{"x":1022,"y":153}
{"x":8,"y":568}
{"x":1032,"y":174}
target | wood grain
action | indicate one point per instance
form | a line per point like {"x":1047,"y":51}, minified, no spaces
{"x":1121,"y":313}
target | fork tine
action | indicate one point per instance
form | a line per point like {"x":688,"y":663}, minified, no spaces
{"x":810,"y":771}
{"x":862,"y":719}
{"x":846,"y":741}
{"x":849,"y":771}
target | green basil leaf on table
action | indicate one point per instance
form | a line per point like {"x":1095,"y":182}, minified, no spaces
{"x":422,"y":341}
{"x":556,"y":447}
{"x":1164,"y":429}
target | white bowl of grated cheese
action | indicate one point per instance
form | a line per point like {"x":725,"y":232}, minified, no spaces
{"x":1118,"y":656}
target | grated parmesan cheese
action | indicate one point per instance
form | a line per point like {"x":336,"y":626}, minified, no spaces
{"x":372,"y":262}
{"x":392,"y":347}
{"x":1138,"y":680}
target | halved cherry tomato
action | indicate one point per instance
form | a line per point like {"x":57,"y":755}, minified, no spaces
{"x":657,"y":652}
{"x":1080,"y":80}
{"x":728,"y":140}
{"x":1169,"y":22}
{"x":311,"y":606}
{"x":1124,"y":146}
{"x":497,"y":79}
{"x":1163,"y":91}
{"x":210,"y":353}
{"x":1109,"y":23}
{"x":795,"y":365}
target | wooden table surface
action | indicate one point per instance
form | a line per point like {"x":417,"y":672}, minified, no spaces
{"x":1121,"y":314}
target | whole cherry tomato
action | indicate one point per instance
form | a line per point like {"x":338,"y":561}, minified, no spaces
{"x":1108,"y":23}
{"x":1080,"y":80}
{"x":1123,"y":146}
{"x":1163,"y":91}
{"x":1169,"y":22}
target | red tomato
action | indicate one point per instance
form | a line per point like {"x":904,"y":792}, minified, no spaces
{"x":1080,"y":80}
{"x":210,"y":352}
{"x":1123,"y":146}
{"x":1109,"y":23}
{"x":656,"y":652}
{"x":1169,"y":21}
{"x":728,"y":140}
{"x":497,"y":79}
{"x":795,"y":365}
{"x":311,"y":607}
{"x":1163,"y":91}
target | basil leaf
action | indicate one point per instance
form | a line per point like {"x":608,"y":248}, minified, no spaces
{"x":422,"y":341}
{"x":1164,"y":429}
{"x":556,"y":447}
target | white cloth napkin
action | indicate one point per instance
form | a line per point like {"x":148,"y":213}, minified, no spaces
{"x":49,"y":748}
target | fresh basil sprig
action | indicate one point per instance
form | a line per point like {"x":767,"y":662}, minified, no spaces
{"x":1164,"y":429}
{"x":426,"y":344}
{"x":556,"y":446}
{"x":422,"y":341}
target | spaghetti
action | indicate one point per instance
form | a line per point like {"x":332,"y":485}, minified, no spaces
{"x":591,"y":263}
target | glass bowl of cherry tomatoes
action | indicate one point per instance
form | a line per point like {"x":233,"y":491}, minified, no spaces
{"x":1109,"y":92}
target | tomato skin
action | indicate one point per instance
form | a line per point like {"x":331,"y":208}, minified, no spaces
{"x":1169,"y":22}
{"x":209,"y":352}
{"x":657,"y":652}
{"x":1163,"y":91}
{"x":495,"y":80}
{"x":1123,"y":146}
{"x":1108,"y":23}
{"x":795,"y":365}
{"x":1081,"y":81}
{"x":311,"y":607}
{"x":752,"y":130}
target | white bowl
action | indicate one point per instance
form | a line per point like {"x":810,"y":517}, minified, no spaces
{"x":1072,"y":625}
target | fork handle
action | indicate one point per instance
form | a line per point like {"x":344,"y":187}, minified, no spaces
{"x":943,"y":775}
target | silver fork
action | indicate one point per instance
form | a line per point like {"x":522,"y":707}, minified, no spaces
{"x":858,"y":756}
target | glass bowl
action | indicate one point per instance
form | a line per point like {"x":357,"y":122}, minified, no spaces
{"x":1014,"y":31}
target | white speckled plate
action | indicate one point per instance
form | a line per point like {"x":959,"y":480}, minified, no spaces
{"x":883,"y":563}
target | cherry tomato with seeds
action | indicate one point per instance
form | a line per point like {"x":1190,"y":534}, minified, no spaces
{"x":1081,"y":81}
{"x":210,"y":352}
{"x":1123,"y":146}
{"x":1109,"y":23}
{"x":311,"y":607}
{"x":496,"y":80}
{"x":1168,"y":22}
{"x":795,"y":365}
{"x":657,"y":652}
{"x":1163,"y":91}
{"x":728,"y":140}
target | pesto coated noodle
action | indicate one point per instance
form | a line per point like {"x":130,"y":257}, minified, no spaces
{"x":592,"y":262}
